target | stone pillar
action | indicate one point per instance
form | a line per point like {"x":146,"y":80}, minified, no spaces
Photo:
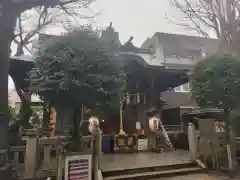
{"x":31,"y":155}
{"x":192,"y":141}
{"x":232,"y":142}
{"x":60,"y":163}
{"x":97,"y":153}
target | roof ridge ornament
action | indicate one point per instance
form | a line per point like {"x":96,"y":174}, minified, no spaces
{"x":110,"y":27}
{"x":129,"y":47}
{"x":130,"y":40}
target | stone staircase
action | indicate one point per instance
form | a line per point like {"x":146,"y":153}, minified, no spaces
{"x":147,"y":173}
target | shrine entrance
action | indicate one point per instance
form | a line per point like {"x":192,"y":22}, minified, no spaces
{"x":136,"y":144}
{"x":138,"y":125}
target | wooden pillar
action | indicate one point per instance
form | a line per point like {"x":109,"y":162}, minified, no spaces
{"x":192,"y":140}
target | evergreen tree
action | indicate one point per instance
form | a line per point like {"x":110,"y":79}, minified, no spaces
{"x":76,"y":69}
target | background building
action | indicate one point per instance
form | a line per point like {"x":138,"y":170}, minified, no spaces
{"x":179,"y":52}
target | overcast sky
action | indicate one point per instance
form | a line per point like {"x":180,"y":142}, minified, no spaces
{"x":137,"y":18}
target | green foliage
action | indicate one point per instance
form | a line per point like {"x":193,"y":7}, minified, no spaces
{"x":12,"y":112}
{"x":69,"y":145}
{"x":35,"y":121}
{"x":25,"y":113}
{"x":76,"y":69}
{"x":216,"y":82}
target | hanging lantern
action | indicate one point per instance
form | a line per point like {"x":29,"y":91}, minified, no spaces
{"x":154,"y":123}
{"x":93,"y":124}
{"x":138,"y":98}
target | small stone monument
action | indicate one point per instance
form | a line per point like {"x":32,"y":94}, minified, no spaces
{"x":218,"y":143}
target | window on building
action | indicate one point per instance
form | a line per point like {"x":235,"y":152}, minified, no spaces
{"x":183,"y":88}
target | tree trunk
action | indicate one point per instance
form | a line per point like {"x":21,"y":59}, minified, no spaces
{"x":25,"y":111}
{"x":63,"y":121}
{"x":25,"y":107}
{"x":7,"y":24}
{"x":76,"y":128}
{"x":24,"y":96}
{"x":46,"y":116}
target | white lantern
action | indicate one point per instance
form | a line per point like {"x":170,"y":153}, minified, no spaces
{"x":154,"y":123}
{"x":93,"y":124}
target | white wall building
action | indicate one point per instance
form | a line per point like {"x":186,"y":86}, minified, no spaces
{"x":180,"y":52}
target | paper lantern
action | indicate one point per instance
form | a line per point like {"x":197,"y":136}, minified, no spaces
{"x":154,"y":123}
{"x":93,"y":124}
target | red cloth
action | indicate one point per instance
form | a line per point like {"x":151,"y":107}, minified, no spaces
{"x":139,"y":131}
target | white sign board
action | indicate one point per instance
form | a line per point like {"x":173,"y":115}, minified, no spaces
{"x":78,"y":167}
{"x":138,"y":125}
{"x":142,"y":144}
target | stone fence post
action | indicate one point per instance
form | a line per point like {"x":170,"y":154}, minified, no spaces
{"x":232,"y":151}
{"x":31,"y":156}
{"x":192,"y":141}
{"x":97,"y":153}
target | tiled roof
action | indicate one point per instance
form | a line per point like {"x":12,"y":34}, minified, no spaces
{"x":179,"y":66}
{"x":185,"y":46}
{"x":23,"y":58}
{"x":177,"y":99}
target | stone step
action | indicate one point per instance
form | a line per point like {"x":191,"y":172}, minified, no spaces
{"x":156,"y":174}
{"x":117,"y":172}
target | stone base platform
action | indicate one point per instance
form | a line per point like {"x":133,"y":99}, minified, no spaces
{"x":143,"y":159}
{"x":147,"y":165}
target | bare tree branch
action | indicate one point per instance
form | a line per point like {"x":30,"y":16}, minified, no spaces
{"x":47,"y":17}
{"x":32,"y":23}
{"x":221,"y":16}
